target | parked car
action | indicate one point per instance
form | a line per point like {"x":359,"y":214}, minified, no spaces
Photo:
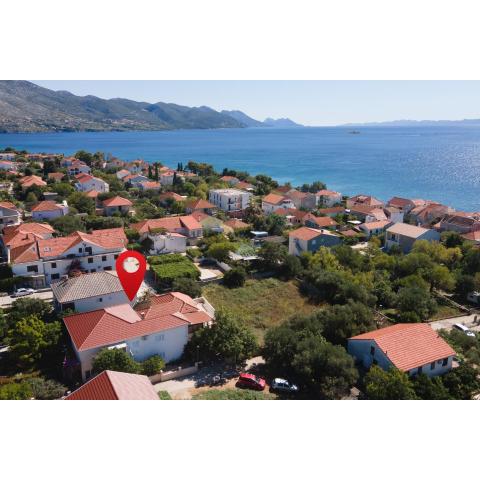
{"x":464,"y":329}
{"x":248,"y":380}
{"x":282,"y":385}
{"x":22,"y":292}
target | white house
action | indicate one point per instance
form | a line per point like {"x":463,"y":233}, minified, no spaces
{"x":77,"y":167}
{"x":7,"y":156}
{"x":8,"y":166}
{"x":305,"y":239}
{"x":150,"y":185}
{"x":374,"y":228}
{"x":404,"y":236}
{"x":45,"y":260}
{"x":273,"y":202}
{"x":160,"y":327}
{"x":230,"y":200}
{"x":135,"y":179}
{"x":328,"y":198}
{"x":90,"y":291}
{"x":87,"y":182}
{"x":9,"y":215}
{"x":413,"y":348}
{"x":167,"y":243}
{"x":48,"y":210}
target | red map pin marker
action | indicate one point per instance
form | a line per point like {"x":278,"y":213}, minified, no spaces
{"x":131,"y":267}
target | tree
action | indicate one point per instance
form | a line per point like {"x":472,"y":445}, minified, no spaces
{"x":219,"y":251}
{"x":228,"y":338}
{"x":472,"y":261}
{"x":153,"y":365}
{"x":43,"y":389}
{"x":188,"y":286}
{"x":440,"y":277}
{"x":63,"y":189}
{"x":292,"y":267}
{"x":31,"y":199}
{"x":116,"y":360}
{"x":68,"y":224}
{"x":465,"y":284}
{"x":273,"y":255}
{"x":15,"y":391}
{"x":416,"y":300}
{"x":462,"y":382}
{"x":428,"y":388}
{"x":82,"y":203}
{"x":388,"y":385}
{"x":30,"y":339}
{"x":235,"y":277}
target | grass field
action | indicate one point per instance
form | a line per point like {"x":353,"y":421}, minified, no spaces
{"x":261,"y":303}
{"x":230,"y":394}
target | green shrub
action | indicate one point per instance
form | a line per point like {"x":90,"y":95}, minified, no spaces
{"x":235,"y":278}
{"x":168,"y":268}
{"x":153,"y":365}
{"x":163,"y":395}
{"x":15,"y":391}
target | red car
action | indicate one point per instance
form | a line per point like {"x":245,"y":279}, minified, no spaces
{"x":247,"y":380}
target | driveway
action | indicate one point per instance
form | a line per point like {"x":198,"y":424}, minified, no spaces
{"x":470,"y":321}
{"x":183,"y":388}
{"x":8,"y":300}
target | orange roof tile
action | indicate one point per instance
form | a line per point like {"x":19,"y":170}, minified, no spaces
{"x":199,"y":204}
{"x":46,"y":206}
{"x":306,"y":233}
{"x":169,"y":223}
{"x":273,"y":199}
{"x":110,"y":385}
{"x":409,"y":345}
{"x":117,"y":202}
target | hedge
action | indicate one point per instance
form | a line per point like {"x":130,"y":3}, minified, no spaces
{"x":167,"y":271}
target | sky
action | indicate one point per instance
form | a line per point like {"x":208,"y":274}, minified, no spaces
{"x":313,"y":103}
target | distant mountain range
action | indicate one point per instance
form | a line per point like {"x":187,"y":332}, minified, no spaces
{"x":27,"y":107}
{"x":416,"y":123}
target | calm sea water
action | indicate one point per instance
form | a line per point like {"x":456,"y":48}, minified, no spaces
{"x":438,"y":163}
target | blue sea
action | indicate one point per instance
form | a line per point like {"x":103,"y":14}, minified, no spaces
{"x":436,"y":163}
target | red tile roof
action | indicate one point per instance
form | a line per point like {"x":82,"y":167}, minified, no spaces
{"x":236,"y":223}
{"x":376,"y":225}
{"x":56,"y":175}
{"x":321,"y":222}
{"x":306,"y":233}
{"x":117,"y":202}
{"x":25,"y":233}
{"x":199,"y":204}
{"x":327,"y":193}
{"x":92,"y":194}
{"x":228,"y":178}
{"x":400,"y":202}
{"x":335,"y":210}
{"x":116,"y":324}
{"x":24,"y":253}
{"x":365,"y":200}
{"x":110,"y":385}
{"x":169,"y":223}
{"x":84,"y":177}
{"x":409,"y":345}
{"x":28,"y":181}
{"x":46,"y":206}
{"x":172,"y":195}
{"x":273,"y":199}
{"x":9,"y":205}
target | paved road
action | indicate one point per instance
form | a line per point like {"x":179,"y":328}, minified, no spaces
{"x":8,"y":300}
{"x":467,"y":320}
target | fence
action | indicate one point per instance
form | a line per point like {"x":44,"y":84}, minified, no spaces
{"x":171,"y":374}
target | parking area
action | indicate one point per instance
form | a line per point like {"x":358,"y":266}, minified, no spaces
{"x":7,"y":300}
{"x":470,"y":321}
{"x":211,"y":377}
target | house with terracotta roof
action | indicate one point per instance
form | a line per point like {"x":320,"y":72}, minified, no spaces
{"x":306,"y":239}
{"x":244,"y":186}
{"x":116,"y":205}
{"x":110,"y":385}
{"x":402,"y":204}
{"x":374,"y":228}
{"x":367,"y":214}
{"x":458,"y":223}
{"x":121,"y":174}
{"x":332,"y":211}
{"x":230,"y":200}
{"x":9,"y":215}
{"x":413,"y":348}
{"x":56,"y":176}
{"x":364,"y":200}
{"x":200,"y":205}
{"x":76,"y":167}
{"x":169,"y":234}
{"x":166,"y":178}
{"x":425,"y":215}
{"x":273,"y":202}
{"x":8,"y":166}
{"x":208,"y":222}
{"x":232,"y":181}
{"x":150,"y":185}
{"x":292,"y":216}
{"x":161,"y":326}
{"x":15,"y":236}
{"x":403,"y":236}
{"x":328,"y":198}
{"x":473,"y":237}
{"x":236,"y":224}
{"x":48,"y":210}
{"x":312,"y":221}
{"x":304,"y":200}
{"x":171,"y":197}
{"x":137,"y":166}
{"x":89,"y":291}
{"x":30,"y":181}
{"x":45,"y":260}
{"x":86,"y":183}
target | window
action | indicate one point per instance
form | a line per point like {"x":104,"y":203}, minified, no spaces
{"x":32,"y":268}
{"x":372,"y":350}
{"x":100,"y":299}
{"x":90,"y":260}
{"x":420,"y":369}
{"x":107,"y":269}
{"x":80,"y":250}
{"x":104,"y":258}
{"x":445,"y":362}
{"x":53,"y":265}
{"x":88,"y":374}
{"x":160,"y":338}
{"x":55,"y":276}
{"x":432,"y":365}
{"x":93,"y":270}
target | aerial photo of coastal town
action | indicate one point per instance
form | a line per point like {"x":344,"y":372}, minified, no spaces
{"x":283,"y":261}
